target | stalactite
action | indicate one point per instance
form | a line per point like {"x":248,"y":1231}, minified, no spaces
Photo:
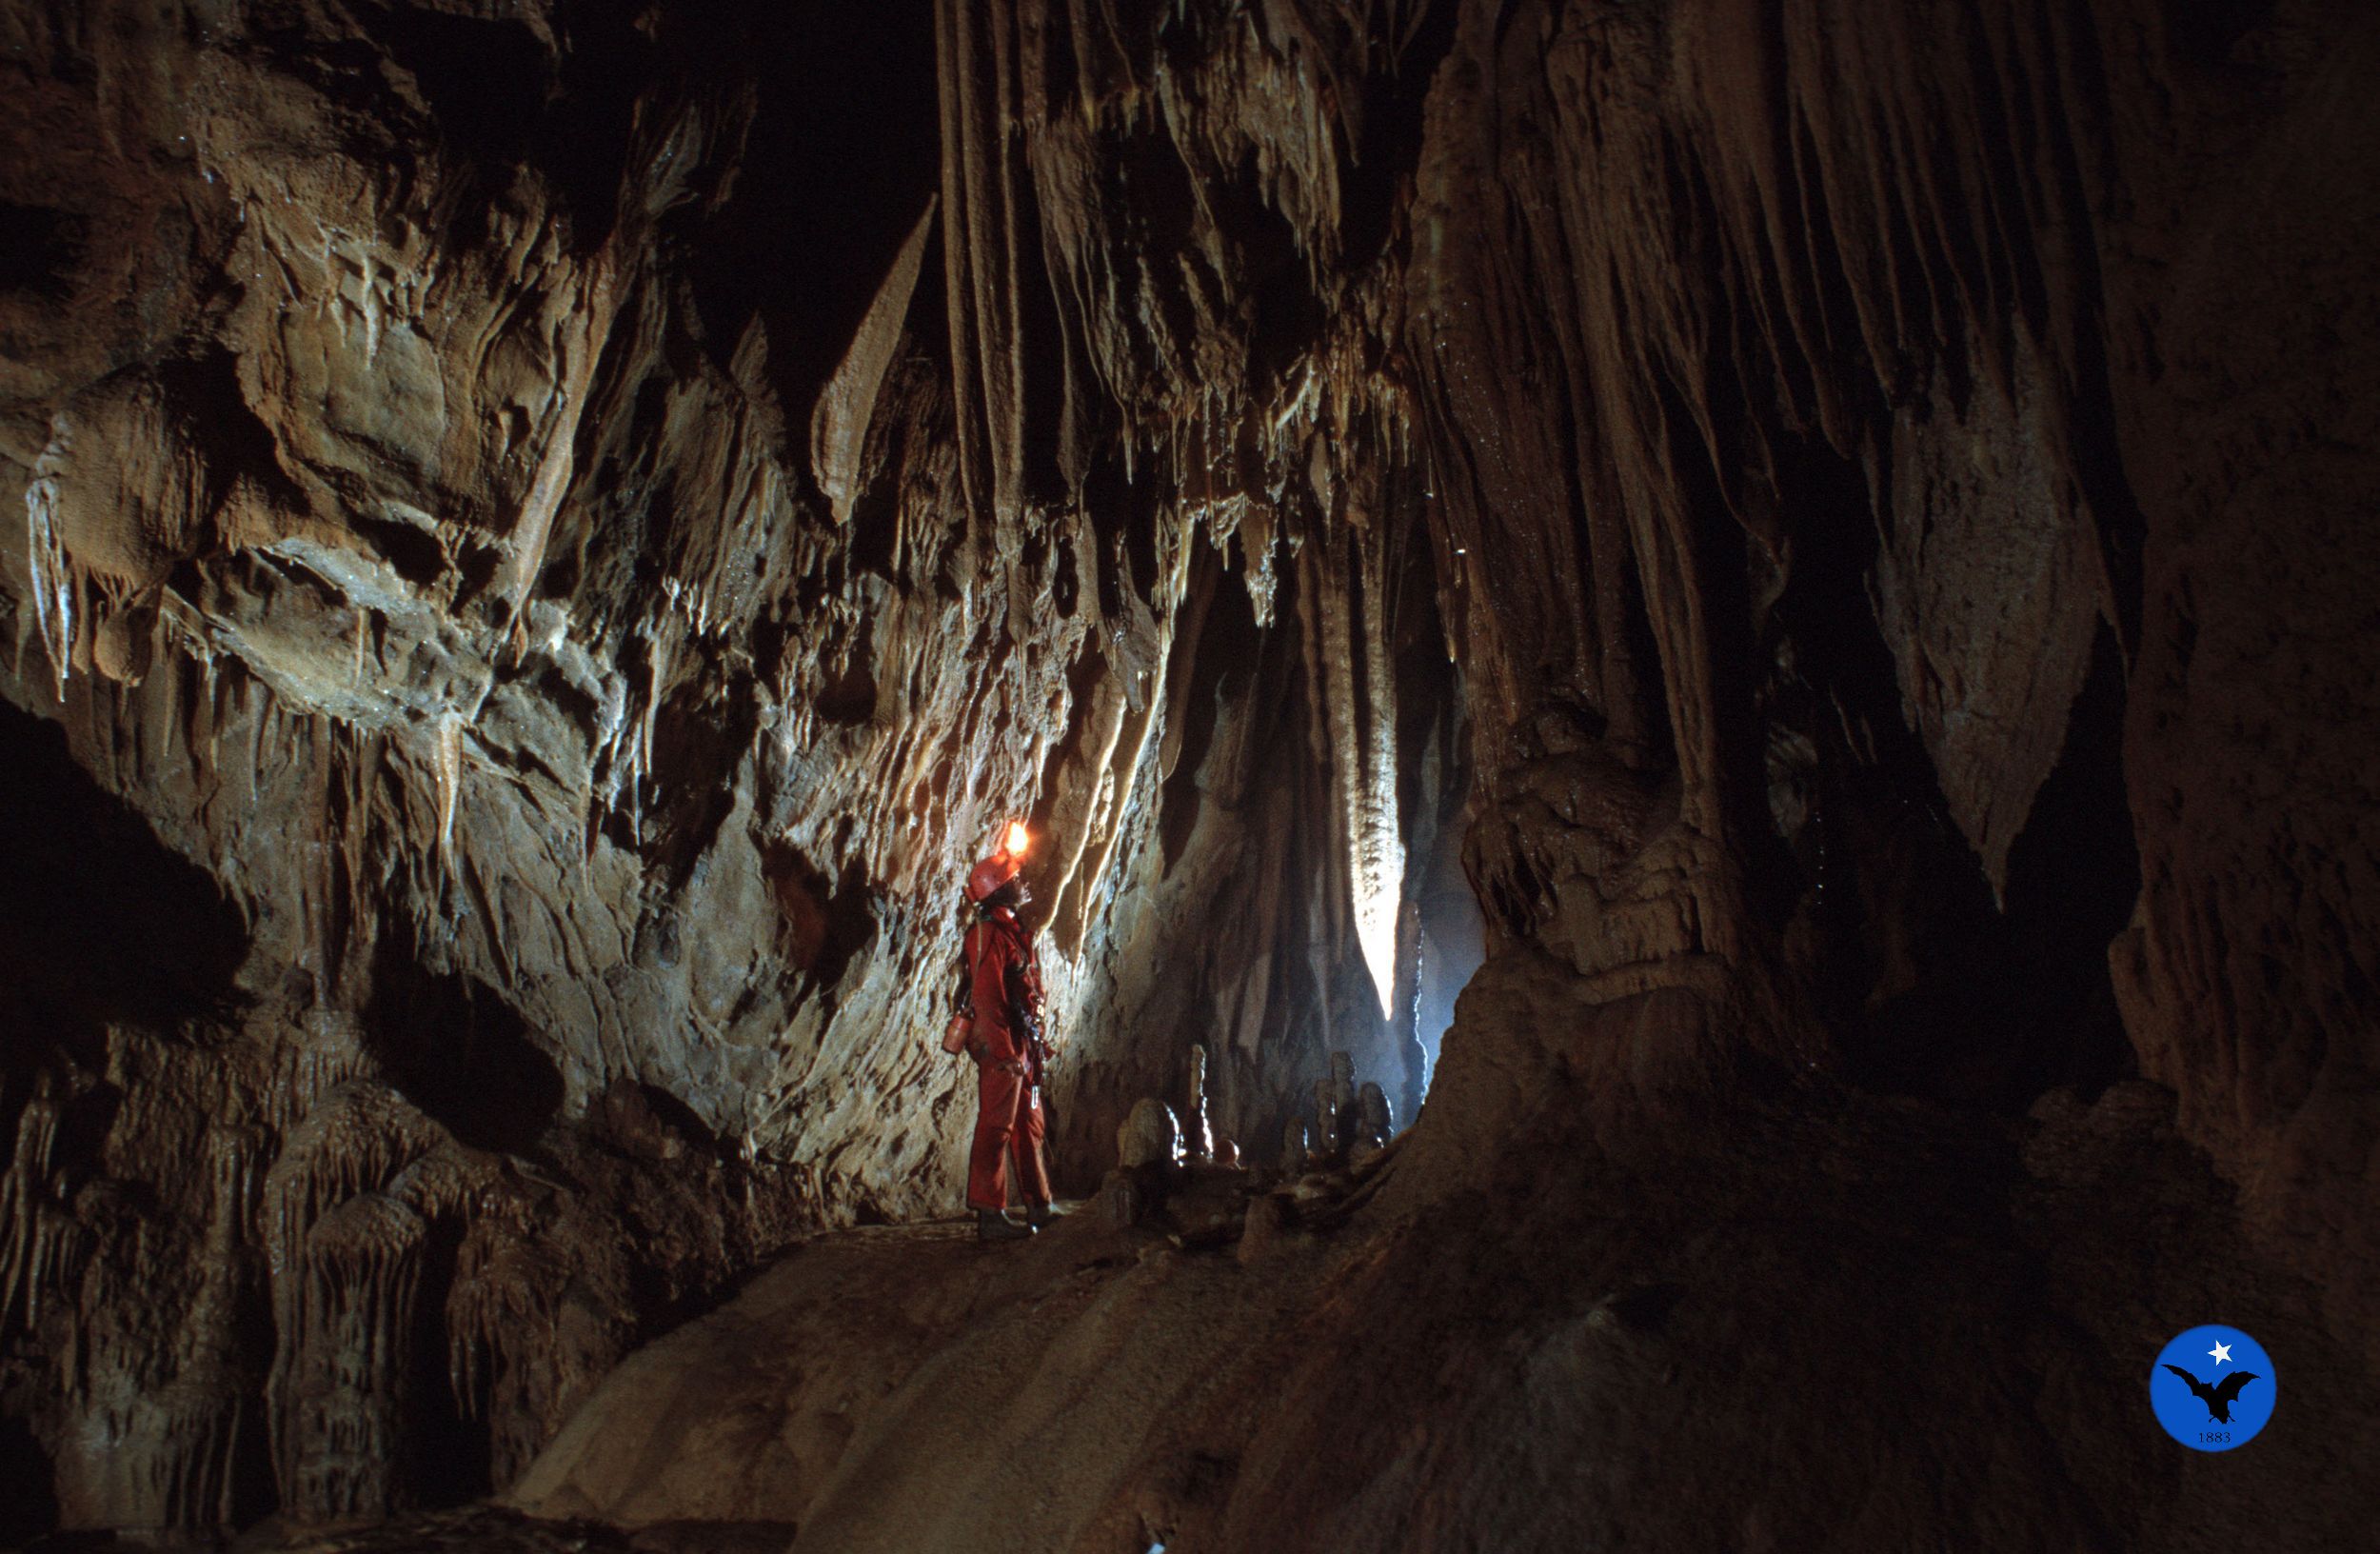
{"x":37,"y":1233}
{"x":1101,"y":823}
{"x":1356,"y":711}
{"x":447,"y":763}
{"x":1375,"y":843}
{"x":846,"y":406}
{"x":56,"y":584}
{"x":580,"y":332}
{"x":975,"y":49}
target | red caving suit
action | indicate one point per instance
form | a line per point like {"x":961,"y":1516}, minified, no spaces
{"x":1000,"y":968}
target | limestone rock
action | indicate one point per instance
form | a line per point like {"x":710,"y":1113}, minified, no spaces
{"x":1124,"y":1200}
{"x":1264,"y":1231}
{"x":1150,"y":1136}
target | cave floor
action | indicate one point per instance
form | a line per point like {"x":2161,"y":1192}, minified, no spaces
{"x":1883,"y":1314}
{"x":1886,"y":1320}
{"x":1892,"y":1317}
{"x":494,"y":1529}
{"x":479,"y":1528}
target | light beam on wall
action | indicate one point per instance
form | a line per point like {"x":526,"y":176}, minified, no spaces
{"x":1360,"y":718}
{"x":1378,"y":886}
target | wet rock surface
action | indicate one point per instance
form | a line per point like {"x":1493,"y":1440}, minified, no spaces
{"x":1832,"y":544}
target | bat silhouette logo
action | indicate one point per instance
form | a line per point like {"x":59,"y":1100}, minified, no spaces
{"x":2219,"y":1397}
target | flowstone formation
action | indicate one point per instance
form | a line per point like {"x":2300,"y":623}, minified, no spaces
{"x":1829,"y":541}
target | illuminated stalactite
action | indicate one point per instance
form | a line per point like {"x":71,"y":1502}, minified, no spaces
{"x":1376,"y":847}
{"x":846,"y":406}
{"x":1358,"y":710}
{"x":56,"y":587}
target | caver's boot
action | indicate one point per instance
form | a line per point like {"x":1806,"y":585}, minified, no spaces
{"x":994,"y":1224}
{"x":1041,"y":1215}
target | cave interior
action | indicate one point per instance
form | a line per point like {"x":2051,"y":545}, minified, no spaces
{"x":1694,"y":683}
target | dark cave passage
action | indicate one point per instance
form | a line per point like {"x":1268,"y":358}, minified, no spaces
{"x":1453,"y":944}
{"x":101,"y":922}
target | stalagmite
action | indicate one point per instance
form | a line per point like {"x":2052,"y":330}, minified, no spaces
{"x":1150,"y":1136}
{"x":344,"y":1265}
{"x":1369,"y":1127}
{"x":347,"y":1366}
{"x":1326,"y":1140}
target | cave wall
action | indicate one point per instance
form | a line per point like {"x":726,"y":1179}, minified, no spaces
{"x":1899,"y":405}
{"x":564,"y":527}
{"x":506,"y":508}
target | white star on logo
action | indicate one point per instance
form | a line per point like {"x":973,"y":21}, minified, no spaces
{"x":2221,"y":1353}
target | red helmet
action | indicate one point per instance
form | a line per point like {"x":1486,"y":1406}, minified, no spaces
{"x":991,"y":875}
{"x":1002,"y":866}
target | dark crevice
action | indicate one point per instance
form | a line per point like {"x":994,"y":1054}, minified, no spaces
{"x":457,"y":1050}
{"x":101,"y":923}
{"x":42,"y":251}
{"x":824,"y":922}
{"x":2074,"y":876}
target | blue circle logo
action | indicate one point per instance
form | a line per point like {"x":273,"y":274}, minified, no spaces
{"x":2213,"y":1388}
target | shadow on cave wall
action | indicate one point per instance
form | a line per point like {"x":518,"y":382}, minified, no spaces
{"x":2005,"y":1000}
{"x":1930,"y":987}
{"x":30,"y":1509}
{"x":823,"y":923}
{"x":455,"y":1050}
{"x":459,"y":1052}
{"x":100,"y":922}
